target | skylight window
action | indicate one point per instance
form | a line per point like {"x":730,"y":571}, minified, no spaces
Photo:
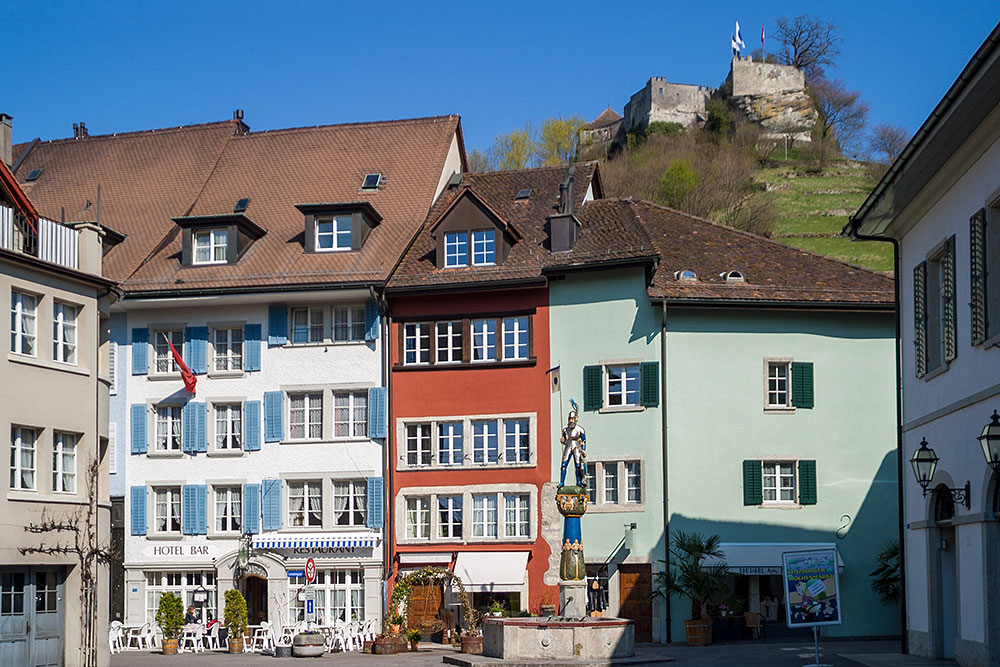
{"x":241,"y":205}
{"x":687,"y":275}
{"x":372,"y":181}
{"x":523,"y":194}
{"x":34,"y":174}
{"x":732,"y":276}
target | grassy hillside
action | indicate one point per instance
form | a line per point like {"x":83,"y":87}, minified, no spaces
{"x":814,"y":207}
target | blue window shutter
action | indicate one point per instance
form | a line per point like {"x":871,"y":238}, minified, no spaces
{"x":251,"y":508}
{"x":138,"y":428}
{"x":251,"y":347}
{"x":196,"y":349}
{"x":274,"y":408}
{"x":140,"y":351}
{"x":251,"y":426}
{"x":270,"y":504}
{"x":375,"y":510}
{"x":277,"y":325}
{"x":189,"y":428}
{"x":201,"y":437}
{"x":376,"y":412}
{"x":372,"y":321}
{"x":189,"y":508}
{"x":138,"y":510}
{"x":201,"y":518}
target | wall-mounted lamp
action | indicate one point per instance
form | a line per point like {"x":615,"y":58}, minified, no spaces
{"x":924,"y":462}
{"x":990,"y":441}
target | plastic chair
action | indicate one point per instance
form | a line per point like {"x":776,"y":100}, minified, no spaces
{"x":754,"y":621}
{"x":194,"y":636}
{"x":116,"y":637}
{"x":212,"y":636}
{"x":262,"y":638}
{"x":138,"y":636}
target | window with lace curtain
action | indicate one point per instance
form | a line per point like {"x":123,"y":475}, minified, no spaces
{"x":350,"y":502}
{"x":305,"y":504}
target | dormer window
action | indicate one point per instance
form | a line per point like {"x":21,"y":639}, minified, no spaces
{"x":484,"y":247}
{"x":471,"y":233}
{"x":687,"y":275}
{"x":333,"y":233}
{"x":211,"y":246}
{"x":732,"y":276}
{"x":456,"y":249}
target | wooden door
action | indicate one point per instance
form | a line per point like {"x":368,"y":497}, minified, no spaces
{"x":425,"y":607}
{"x":635,"y":584}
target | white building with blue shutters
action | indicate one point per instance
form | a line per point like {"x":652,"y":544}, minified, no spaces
{"x":276,"y":456}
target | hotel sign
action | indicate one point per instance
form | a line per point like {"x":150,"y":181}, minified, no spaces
{"x":757,"y":569}
{"x":174,"y":551}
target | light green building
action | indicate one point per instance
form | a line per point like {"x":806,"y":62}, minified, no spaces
{"x":773,"y":423}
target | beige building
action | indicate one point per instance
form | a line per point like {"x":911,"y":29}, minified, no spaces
{"x":53,"y":408}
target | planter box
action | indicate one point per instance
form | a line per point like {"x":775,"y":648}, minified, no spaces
{"x":699,"y":633}
{"x":235,"y":644}
{"x":472,"y":645}
{"x":170,"y":646}
{"x":384,"y":646}
{"x":308,"y":646}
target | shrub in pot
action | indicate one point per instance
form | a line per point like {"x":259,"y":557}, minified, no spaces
{"x":691,"y":577}
{"x":414,"y":636}
{"x":308,"y":644}
{"x":170,"y":618}
{"x":235,"y":618}
{"x":384,"y":645}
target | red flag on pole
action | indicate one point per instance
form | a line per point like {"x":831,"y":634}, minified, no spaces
{"x":762,"y":34}
{"x":189,"y":379}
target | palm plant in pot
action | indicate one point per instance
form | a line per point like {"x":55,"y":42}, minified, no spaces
{"x":170,"y":618}
{"x":689,"y":575}
{"x":235,"y":618}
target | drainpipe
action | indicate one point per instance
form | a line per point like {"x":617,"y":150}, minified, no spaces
{"x":666,"y":463}
{"x":385,"y":333}
{"x":854,"y":234}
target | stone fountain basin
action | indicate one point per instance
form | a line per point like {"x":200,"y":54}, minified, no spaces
{"x":562,"y":638}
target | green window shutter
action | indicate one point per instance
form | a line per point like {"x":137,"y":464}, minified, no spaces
{"x":977,"y":271}
{"x":802,"y":384}
{"x":948,"y":302}
{"x":753,"y":484}
{"x":649,"y":384}
{"x":593,"y":387}
{"x":807,"y":482}
{"x":920,"y":318}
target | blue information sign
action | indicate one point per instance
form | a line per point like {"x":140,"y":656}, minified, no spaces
{"x":309,"y":606}
{"x":296,"y":573}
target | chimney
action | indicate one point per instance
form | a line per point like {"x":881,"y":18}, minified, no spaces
{"x":79,"y":130}
{"x":563,"y":226}
{"x":6,"y":136}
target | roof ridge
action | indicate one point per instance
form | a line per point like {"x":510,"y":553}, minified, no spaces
{"x":116,"y":135}
{"x":763,"y":238}
{"x":394,"y":121}
{"x":551,"y":167}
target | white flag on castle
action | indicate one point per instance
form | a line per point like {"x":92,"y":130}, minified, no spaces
{"x":739,"y":37}
{"x":736,"y":46}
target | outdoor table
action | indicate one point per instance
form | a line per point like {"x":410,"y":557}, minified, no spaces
{"x":728,"y":628}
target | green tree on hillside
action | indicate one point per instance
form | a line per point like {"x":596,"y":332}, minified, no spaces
{"x":557,"y":140}
{"x":678,"y":182}
{"x":516,"y":149}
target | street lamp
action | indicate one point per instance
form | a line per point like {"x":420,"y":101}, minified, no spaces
{"x":924,"y":462}
{"x":990,"y":441}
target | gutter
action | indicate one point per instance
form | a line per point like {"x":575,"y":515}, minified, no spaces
{"x":854,"y":234}
{"x":386,"y":336}
{"x":773,"y":305}
{"x":58,"y":269}
{"x":267,"y":289}
{"x":666,"y":462}
{"x":601,"y":264}
{"x":469,"y":287}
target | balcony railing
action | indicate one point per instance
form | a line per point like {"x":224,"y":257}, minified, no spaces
{"x":52,"y":241}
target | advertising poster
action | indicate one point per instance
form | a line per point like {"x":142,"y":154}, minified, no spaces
{"x":811,"y":587}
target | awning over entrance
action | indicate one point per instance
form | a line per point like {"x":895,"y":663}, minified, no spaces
{"x":489,"y":571}
{"x":425,"y":558}
{"x":765,"y":557}
{"x":315,"y":541}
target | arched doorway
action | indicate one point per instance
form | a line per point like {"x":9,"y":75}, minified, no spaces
{"x":254,"y":589}
{"x":944,"y":563}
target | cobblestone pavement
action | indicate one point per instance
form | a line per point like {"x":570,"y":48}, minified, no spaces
{"x":744,"y":654}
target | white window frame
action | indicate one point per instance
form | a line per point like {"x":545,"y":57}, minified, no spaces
{"x":778,"y":477}
{"x":485,"y":515}
{"x":612,"y":483}
{"x":169,"y":498}
{"x":450,"y":332}
{"x":64,"y":332}
{"x":633,"y":473}
{"x":772,"y":379}
{"x":349,"y":323}
{"x":230,"y":521}
{"x":315,"y":325}
{"x":184,"y":585}
{"x":355,"y":513}
{"x":521,"y":449}
{"x":211,"y":241}
{"x":356,"y":424}
{"x":305,"y":489}
{"x":475,"y":436}
{"x":625,"y":387}
{"x":64,"y":461}
{"x":518,"y":328}
{"x":416,"y":343}
{"x":162,"y":356}
{"x":340,"y":596}
{"x":228,"y":438}
{"x":410,"y":503}
{"x":483,"y":351}
{"x":520,"y":525}
{"x":24,"y":458}
{"x":456,"y":245}
{"x":227,"y":352}
{"x":450,"y":443}
{"x":164,"y":413}
{"x":419,"y":451}
{"x":309,"y":410}
{"x":481,"y":445}
{"x":418,"y":517}
{"x":24,"y":323}
{"x":484,"y":244}
{"x":603,"y":497}
{"x":448,"y":507}
{"x":338,"y":235}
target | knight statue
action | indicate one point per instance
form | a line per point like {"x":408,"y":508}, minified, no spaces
{"x":574,"y":442}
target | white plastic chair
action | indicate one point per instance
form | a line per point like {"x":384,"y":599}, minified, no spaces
{"x":139,"y":637}
{"x":116,"y":637}
{"x":212,"y":636}
{"x":194,"y":637}
{"x":263,"y":639}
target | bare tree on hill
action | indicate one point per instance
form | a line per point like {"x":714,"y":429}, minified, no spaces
{"x":888,"y":141}
{"x":842,"y":114}
{"x":808,"y":43}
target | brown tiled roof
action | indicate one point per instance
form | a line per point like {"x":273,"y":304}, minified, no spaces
{"x":605,"y":234}
{"x":145,"y":178}
{"x":773,"y":272}
{"x":608,"y":117}
{"x":276,"y":170}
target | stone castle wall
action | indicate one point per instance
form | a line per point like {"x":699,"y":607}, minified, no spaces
{"x":660,"y":100}
{"x":755,"y":78}
{"x":774,"y":97}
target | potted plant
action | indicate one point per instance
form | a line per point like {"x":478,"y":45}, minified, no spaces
{"x":472,"y":642}
{"x":414,"y":636}
{"x":497,"y":609}
{"x":385,"y":644}
{"x":690,"y":576}
{"x":235,"y":617}
{"x":308,"y":644}
{"x":395,"y":623}
{"x":546,"y":606}
{"x":885,"y":578}
{"x":170,"y":618}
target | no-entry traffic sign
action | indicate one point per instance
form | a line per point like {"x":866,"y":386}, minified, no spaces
{"x":310,"y":570}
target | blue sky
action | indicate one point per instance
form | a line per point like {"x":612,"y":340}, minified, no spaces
{"x":122,"y":66}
